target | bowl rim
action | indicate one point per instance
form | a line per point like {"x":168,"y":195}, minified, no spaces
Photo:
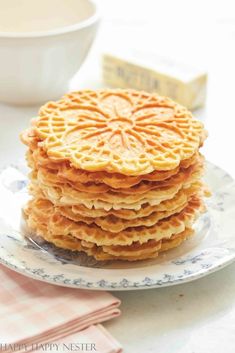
{"x":94,"y":18}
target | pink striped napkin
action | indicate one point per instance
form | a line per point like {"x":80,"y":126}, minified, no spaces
{"x":34,"y":313}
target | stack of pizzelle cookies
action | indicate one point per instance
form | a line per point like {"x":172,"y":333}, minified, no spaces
{"x":115,"y":173}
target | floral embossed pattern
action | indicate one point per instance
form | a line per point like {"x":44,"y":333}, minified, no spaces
{"x":127,"y":132}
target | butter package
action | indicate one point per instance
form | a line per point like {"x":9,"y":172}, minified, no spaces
{"x":150,"y":72}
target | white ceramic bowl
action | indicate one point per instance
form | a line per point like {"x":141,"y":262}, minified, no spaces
{"x":36,"y":66}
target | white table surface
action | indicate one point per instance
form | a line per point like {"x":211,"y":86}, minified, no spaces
{"x":197,"y":317}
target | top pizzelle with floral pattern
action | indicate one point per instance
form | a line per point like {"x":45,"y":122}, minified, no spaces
{"x":118,"y":131}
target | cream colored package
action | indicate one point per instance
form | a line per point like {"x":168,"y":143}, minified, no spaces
{"x":149,"y":72}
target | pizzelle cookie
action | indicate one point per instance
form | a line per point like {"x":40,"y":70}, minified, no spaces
{"x":38,"y":159}
{"x":67,"y":196}
{"x":122,"y":131}
{"x":50,"y":177}
{"x":115,"y":173}
{"x":137,"y":251}
{"x":176,"y":229}
{"x":44,"y":211}
{"x":126,"y":214}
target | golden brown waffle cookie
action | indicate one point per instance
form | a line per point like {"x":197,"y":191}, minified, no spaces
{"x":149,"y":248}
{"x":43,"y":211}
{"x":133,"y":252}
{"x":67,"y":196}
{"x":51,"y":178}
{"x":175,"y":240}
{"x":118,"y":131}
{"x":168,"y":205}
{"x":126,"y":214}
{"x":29,"y":138}
{"x":116,"y":225}
{"x":38,"y":159}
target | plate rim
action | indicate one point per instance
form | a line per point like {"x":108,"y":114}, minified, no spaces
{"x":190,"y":278}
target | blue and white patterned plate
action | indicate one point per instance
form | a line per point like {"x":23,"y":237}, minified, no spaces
{"x":212,"y":248}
